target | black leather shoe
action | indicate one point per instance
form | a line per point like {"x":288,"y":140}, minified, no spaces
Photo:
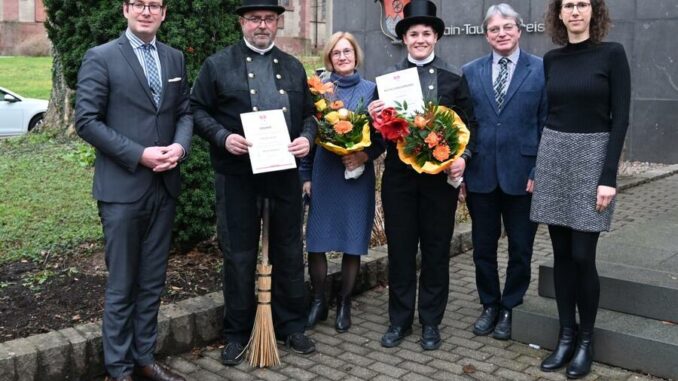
{"x":502,"y":330}
{"x":343,"y":321}
{"x":394,"y":336}
{"x":317,"y":312}
{"x":563,"y":352}
{"x":582,"y":360}
{"x":233,"y":354}
{"x":486,"y":321}
{"x":430,"y":338}
{"x":300,"y":343}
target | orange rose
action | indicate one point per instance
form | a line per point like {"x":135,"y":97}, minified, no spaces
{"x":441,"y":152}
{"x":420,"y":121}
{"x":343,"y":127}
{"x":336,"y":105}
{"x":432,"y":139}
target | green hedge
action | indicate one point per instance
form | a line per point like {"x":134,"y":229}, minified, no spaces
{"x":198,"y":28}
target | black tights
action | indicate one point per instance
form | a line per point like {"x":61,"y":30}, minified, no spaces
{"x":317,"y":269}
{"x":575,"y":275}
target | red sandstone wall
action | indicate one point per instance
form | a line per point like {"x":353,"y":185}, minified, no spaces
{"x":22,"y":38}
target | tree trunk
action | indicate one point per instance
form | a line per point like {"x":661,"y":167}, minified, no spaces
{"x":60,"y":111}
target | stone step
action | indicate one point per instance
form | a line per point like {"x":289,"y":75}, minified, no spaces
{"x":627,"y":341}
{"x":633,"y":290}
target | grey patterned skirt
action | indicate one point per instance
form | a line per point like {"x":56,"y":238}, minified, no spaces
{"x":566,"y":181}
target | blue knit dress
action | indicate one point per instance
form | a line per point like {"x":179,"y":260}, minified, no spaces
{"x":341,"y":211}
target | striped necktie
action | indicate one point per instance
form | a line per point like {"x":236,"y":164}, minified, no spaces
{"x":501,"y":82}
{"x":152,"y":73}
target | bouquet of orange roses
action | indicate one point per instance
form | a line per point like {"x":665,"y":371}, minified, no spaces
{"x":429,"y":140}
{"x":340,"y":130}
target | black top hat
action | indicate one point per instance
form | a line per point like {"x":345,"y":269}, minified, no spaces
{"x":420,"y":12}
{"x":259,"y":5}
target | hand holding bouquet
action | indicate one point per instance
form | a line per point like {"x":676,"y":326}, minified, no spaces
{"x":429,"y":140}
{"x":340,"y":130}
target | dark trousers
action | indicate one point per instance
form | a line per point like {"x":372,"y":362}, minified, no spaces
{"x":137,"y":240}
{"x":487,"y":212}
{"x":239,"y":225}
{"x":419,"y":213}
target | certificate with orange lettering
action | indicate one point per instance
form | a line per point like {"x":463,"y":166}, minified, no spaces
{"x":267,"y":131}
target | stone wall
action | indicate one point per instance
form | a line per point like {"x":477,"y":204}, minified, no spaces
{"x":21,"y":38}
{"x":21,"y":28}
{"x":646,"y":28}
{"x":302,"y":25}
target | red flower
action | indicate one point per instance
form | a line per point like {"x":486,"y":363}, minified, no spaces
{"x":387,"y":114}
{"x":390,"y":125}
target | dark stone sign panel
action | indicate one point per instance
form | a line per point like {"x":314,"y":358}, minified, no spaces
{"x":646,"y":28}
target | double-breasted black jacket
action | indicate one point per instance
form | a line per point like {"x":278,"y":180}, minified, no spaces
{"x":224,"y":89}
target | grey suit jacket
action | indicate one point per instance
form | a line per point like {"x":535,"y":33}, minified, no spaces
{"x":115,"y":113}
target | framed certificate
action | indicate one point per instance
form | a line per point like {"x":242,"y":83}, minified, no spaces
{"x":401,"y":86}
{"x":267,"y":131}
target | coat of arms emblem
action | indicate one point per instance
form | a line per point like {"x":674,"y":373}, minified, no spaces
{"x":391,"y":13}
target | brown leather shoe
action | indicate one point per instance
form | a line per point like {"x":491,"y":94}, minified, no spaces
{"x":157,"y":372}
{"x":127,"y":377}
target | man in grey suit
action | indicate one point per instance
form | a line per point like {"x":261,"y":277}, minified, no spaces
{"x":509,"y":102}
{"x":132,"y":105}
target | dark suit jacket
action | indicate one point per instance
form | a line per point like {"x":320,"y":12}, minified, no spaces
{"x":115,"y":113}
{"x":506,"y":141}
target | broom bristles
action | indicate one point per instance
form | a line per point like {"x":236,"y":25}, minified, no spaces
{"x":263,"y":348}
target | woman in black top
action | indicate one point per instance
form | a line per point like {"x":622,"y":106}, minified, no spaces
{"x":588,"y":89}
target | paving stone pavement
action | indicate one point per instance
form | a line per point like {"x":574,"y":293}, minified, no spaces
{"x":358,"y":355}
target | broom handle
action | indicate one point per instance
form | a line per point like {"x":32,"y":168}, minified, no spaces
{"x":264,"y":234}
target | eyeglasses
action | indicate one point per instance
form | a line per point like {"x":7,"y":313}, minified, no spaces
{"x":508,"y":28}
{"x":348,"y":53}
{"x":581,"y":7}
{"x":153,"y":8}
{"x":256,"y":20}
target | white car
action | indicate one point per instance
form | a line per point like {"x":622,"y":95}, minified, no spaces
{"x":19,"y":115}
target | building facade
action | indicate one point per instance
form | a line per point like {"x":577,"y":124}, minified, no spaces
{"x":22,"y":31}
{"x":305,"y":26}
{"x":644,"y":27}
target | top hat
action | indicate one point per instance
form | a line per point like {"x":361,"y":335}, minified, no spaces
{"x":259,"y":5}
{"x":420,"y":12}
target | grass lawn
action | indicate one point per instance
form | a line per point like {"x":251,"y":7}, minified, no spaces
{"x":45,"y":199}
{"x":27,"y":76}
{"x":311,"y":63}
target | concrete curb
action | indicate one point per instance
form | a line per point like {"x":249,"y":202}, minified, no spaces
{"x":76,"y":353}
{"x":646,"y":177}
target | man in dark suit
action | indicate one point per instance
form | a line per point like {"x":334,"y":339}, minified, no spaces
{"x":132,"y":105}
{"x":509,"y":101}
{"x":254,"y":75}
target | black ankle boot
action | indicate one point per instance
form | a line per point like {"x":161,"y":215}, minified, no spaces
{"x":317,"y":311}
{"x":581,"y":362}
{"x":563,"y":351}
{"x":343,"y":322}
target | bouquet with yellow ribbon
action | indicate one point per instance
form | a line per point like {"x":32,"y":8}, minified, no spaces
{"x":429,"y":140}
{"x":340,"y":130}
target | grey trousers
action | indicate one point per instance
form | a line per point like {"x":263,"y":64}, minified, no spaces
{"x":137,"y":240}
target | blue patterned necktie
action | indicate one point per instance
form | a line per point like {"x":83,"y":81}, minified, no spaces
{"x":500,"y":82}
{"x":152,"y":73}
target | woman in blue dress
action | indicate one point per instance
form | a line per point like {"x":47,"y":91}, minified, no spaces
{"x":341,"y":210}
